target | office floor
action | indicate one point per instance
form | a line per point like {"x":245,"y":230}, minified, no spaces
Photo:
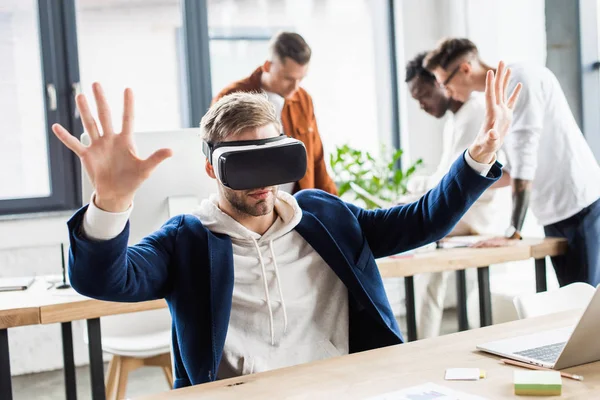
{"x":50,"y":385}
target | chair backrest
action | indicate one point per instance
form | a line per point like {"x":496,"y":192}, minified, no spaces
{"x":575,"y":296}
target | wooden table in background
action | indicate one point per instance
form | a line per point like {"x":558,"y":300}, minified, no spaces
{"x":38,"y":305}
{"x":460,"y":259}
{"x":375,"y":372}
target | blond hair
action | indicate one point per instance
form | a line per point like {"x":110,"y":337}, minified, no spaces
{"x":235,"y":113}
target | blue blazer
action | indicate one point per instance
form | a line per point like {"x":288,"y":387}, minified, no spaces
{"x":192,"y":267}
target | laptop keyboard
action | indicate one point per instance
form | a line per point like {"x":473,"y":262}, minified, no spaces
{"x":547,"y":353}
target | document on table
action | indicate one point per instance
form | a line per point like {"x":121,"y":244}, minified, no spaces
{"x":427,"y":391}
{"x":452,"y":242}
{"x":20,"y":283}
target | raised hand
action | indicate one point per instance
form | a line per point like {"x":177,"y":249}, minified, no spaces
{"x":110,"y":160}
{"x":498,"y":115}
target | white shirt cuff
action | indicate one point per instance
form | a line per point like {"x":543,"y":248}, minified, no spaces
{"x":103,"y":225}
{"x":482,"y":169}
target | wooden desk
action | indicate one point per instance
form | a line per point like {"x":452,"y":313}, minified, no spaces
{"x":9,"y":318}
{"x":19,"y":317}
{"x":362,"y":375}
{"x":459,"y":259}
{"x":38,"y":305}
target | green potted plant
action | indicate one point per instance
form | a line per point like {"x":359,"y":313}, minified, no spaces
{"x":368,"y":178}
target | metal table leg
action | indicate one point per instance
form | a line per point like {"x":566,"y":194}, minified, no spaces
{"x":485,"y":296}
{"x":461,"y":306}
{"x":411,"y":317}
{"x":69,"y":361}
{"x":540,"y":275}
{"x":96,"y":363}
{"x":5,"y":378}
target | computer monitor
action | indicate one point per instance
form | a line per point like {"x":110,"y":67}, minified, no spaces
{"x":176,"y":186}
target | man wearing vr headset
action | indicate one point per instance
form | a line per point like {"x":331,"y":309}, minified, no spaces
{"x":280,"y":78}
{"x":258,"y":279}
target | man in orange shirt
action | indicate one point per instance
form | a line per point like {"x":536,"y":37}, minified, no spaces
{"x":280,"y":78}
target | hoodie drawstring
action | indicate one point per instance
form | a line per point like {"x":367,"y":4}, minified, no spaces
{"x":266,"y":287}
{"x":285,"y":320}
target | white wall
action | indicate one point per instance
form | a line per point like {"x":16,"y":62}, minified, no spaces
{"x":511,"y":30}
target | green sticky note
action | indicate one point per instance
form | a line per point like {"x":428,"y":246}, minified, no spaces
{"x":538,"y":383}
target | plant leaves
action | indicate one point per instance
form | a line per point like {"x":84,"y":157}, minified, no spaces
{"x":378,"y":176}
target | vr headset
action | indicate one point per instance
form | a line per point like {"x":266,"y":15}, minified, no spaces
{"x":252,"y":164}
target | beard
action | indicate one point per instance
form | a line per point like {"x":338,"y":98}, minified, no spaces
{"x":244,"y":204}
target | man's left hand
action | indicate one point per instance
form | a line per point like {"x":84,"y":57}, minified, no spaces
{"x":498,"y":115}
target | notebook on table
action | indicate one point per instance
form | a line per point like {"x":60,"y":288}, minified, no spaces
{"x":19,"y":283}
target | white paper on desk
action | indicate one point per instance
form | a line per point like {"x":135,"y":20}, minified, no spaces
{"x":452,"y":242}
{"x":427,"y":391}
{"x":462,"y":374}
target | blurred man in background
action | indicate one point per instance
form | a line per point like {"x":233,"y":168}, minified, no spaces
{"x":550,"y":162}
{"x":280,"y":78}
{"x":460,"y":128}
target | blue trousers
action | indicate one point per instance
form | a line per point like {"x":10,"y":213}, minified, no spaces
{"x":581,"y":263}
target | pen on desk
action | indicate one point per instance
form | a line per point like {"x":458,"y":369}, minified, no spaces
{"x":531,"y":366}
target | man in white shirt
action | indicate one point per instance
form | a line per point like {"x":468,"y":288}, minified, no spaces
{"x":549,"y":161}
{"x":462,"y":124}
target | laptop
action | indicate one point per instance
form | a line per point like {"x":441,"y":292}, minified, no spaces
{"x":558,"y":348}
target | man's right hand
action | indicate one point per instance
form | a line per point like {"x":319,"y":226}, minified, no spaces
{"x":110,"y":160}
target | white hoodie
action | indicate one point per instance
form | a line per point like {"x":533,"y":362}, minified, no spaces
{"x":288,"y":306}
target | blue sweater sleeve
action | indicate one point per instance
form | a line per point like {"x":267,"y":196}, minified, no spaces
{"x":110,"y":270}
{"x":433,"y":216}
